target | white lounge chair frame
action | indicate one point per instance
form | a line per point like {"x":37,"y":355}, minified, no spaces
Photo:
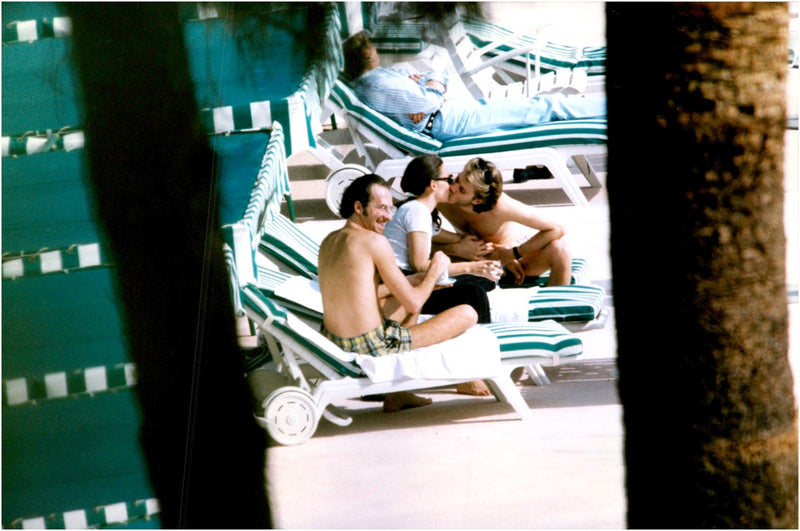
{"x":550,"y":145}
{"x":291,"y":413}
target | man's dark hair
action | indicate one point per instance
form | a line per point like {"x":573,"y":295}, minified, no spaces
{"x":360,"y":191}
{"x":356,"y":59}
{"x":420,"y":172}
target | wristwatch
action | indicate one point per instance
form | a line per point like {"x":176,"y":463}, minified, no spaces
{"x":516,"y":253}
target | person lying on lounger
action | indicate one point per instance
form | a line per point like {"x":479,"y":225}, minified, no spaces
{"x":419,"y":103}
{"x":358,"y":272}
{"x":417,"y":221}
{"x":525,"y":242}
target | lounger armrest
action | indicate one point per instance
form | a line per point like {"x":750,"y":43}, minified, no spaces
{"x":502,"y":58}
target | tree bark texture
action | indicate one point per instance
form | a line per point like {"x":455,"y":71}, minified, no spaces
{"x":154,"y":181}
{"x":696,"y":105}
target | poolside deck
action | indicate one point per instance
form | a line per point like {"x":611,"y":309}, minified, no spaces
{"x":467,"y":462}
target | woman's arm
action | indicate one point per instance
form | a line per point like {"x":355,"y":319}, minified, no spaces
{"x":419,"y":250}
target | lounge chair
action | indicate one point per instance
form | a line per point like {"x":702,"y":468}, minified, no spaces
{"x":579,"y":306}
{"x":480,"y":67}
{"x":264,"y":233}
{"x":312,"y":372}
{"x":497,"y":41}
{"x":550,"y":144}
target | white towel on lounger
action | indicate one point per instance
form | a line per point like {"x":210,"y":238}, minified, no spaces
{"x":473,"y":354}
{"x":510,"y":304}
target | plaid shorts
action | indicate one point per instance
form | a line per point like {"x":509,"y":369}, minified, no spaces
{"x":391,"y":338}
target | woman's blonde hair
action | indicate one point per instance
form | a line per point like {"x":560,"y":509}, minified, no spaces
{"x":486,"y":180}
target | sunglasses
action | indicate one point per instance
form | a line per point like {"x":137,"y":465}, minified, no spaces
{"x":488,"y":178}
{"x":449,"y":179}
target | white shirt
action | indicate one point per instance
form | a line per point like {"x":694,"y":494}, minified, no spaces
{"x":412,"y":216}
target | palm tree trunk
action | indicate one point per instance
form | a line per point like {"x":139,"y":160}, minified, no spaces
{"x":150,"y":166}
{"x":696,"y":136}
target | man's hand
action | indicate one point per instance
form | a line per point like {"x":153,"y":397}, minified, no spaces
{"x":516,"y":269}
{"x":417,"y":117}
{"x":491,"y":269}
{"x":472,"y":248}
{"x":435,"y":85}
{"x":514,"y":266}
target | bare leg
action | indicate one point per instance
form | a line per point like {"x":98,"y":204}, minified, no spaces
{"x":446,"y":325}
{"x":403,"y":400}
{"x":554,"y":257}
{"x":560,"y":264}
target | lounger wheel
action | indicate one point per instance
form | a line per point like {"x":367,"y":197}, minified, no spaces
{"x":338,"y":180}
{"x":290,"y":416}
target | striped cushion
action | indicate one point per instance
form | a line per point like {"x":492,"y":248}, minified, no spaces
{"x":230,"y":262}
{"x":560,"y":133}
{"x":271,"y":185}
{"x":259,"y":115}
{"x":32,"y":30}
{"x":282,"y":239}
{"x":397,"y":135}
{"x":261,"y":308}
{"x":268,"y":279}
{"x":81,"y":382}
{"x":29,"y":144}
{"x":553,"y":55}
{"x":546,"y":340}
{"x":47,"y":261}
{"x":120,"y":514}
{"x":321,"y":347}
{"x":566,"y":303}
{"x":566,"y":132}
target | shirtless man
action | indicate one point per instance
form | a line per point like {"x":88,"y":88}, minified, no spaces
{"x":358,"y":272}
{"x":498,"y":227}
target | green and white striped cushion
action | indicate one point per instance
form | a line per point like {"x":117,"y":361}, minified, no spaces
{"x":321,"y":347}
{"x":402,"y":138}
{"x":272,"y":183}
{"x":48,"y":261}
{"x":560,"y":133}
{"x":233,"y":275}
{"x":260,"y":115}
{"x":268,"y":279}
{"x":66,"y":139}
{"x":32,"y":30}
{"x":553,"y":56}
{"x":261,"y":308}
{"x":546,"y":340}
{"x":283,"y":240}
{"x":573,"y":303}
{"x":120,"y":514}
{"x":82,"y":382}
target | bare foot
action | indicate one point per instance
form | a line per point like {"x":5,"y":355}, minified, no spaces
{"x":517,"y":374}
{"x":474,"y":388}
{"x":403,"y":400}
